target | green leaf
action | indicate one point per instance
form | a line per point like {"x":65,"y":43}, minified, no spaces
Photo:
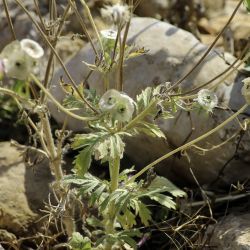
{"x":165,"y":185}
{"x":127,"y":220}
{"x":83,"y":140}
{"x":143,"y":100}
{"x":83,"y":160}
{"x":95,"y":196}
{"x":71,"y":102}
{"x":129,"y":240}
{"x":73,"y":179}
{"x":164,"y":200}
{"x":109,"y":148}
{"x":151,"y":129}
{"x":141,"y":210}
{"x":94,"y":222}
{"x":78,"y":242}
{"x":247,"y":4}
{"x":138,"y":52}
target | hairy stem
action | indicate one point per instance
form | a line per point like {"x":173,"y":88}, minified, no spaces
{"x":115,"y":168}
{"x":55,"y":161}
{"x":110,"y":216}
{"x":66,"y":111}
{"x":187,"y":145}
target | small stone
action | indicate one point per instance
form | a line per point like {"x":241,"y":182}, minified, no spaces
{"x":232,"y":232}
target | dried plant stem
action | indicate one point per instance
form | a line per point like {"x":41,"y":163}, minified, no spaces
{"x":85,"y":30}
{"x":66,"y":111}
{"x":93,"y":24}
{"x":187,"y":145}
{"x":57,"y":56}
{"x":39,"y":14}
{"x":242,"y":57}
{"x":9,"y":19}
{"x":218,"y":200}
{"x":14,"y":95}
{"x":230,"y":71}
{"x":55,"y":161}
{"x":56,"y":167}
{"x":121,"y":58}
{"x":209,"y":48}
{"x":51,"y":56}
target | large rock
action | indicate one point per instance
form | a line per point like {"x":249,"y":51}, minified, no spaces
{"x":231,"y":233}
{"x":23,"y":191}
{"x":172,"y":53}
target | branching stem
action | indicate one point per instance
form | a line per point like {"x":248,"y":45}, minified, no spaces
{"x":187,"y":145}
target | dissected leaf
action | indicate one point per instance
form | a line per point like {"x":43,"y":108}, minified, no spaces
{"x":78,"y":242}
{"x":83,"y":160}
{"x":150,"y":129}
{"x":71,"y":102}
{"x":109,"y":148}
{"x":247,"y":4}
{"x":144,"y":99}
{"x":164,"y":200}
{"x":127,"y":220}
{"x":166,"y":185}
{"x":142,"y":210}
{"x":83,"y":140}
{"x":138,"y":52}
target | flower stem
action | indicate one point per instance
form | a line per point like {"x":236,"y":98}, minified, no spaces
{"x":66,"y":111}
{"x":110,"y":216}
{"x":140,"y":116}
{"x":55,"y":161}
{"x":187,"y":145}
{"x":115,"y":168}
{"x":93,"y":24}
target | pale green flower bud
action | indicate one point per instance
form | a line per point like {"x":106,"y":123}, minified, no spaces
{"x":124,"y":109}
{"x":109,"y":34}
{"x":117,"y":14}
{"x":32,"y":48}
{"x":120,"y":106}
{"x":20,"y":58}
{"x":207,"y":99}
{"x":109,"y":100}
{"x":246,"y":89}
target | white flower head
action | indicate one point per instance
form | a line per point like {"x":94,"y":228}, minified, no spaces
{"x":109,"y":34}
{"x":246,"y":89}
{"x":109,"y":100}
{"x":120,"y":106}
{"x":124,"y":109}
{"x":117,"y":14}
{"x":19,"y":60}
{"x":32,"y":48}
{"x":207,"y":99}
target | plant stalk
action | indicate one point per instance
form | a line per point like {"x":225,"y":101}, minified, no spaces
{"x":187,"y":145}
{"x":114,"y":169}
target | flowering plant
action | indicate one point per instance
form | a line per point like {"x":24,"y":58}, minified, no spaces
{"x":121,"y":201}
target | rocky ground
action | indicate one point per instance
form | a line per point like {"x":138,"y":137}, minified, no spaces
{"x":24,"y":188}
